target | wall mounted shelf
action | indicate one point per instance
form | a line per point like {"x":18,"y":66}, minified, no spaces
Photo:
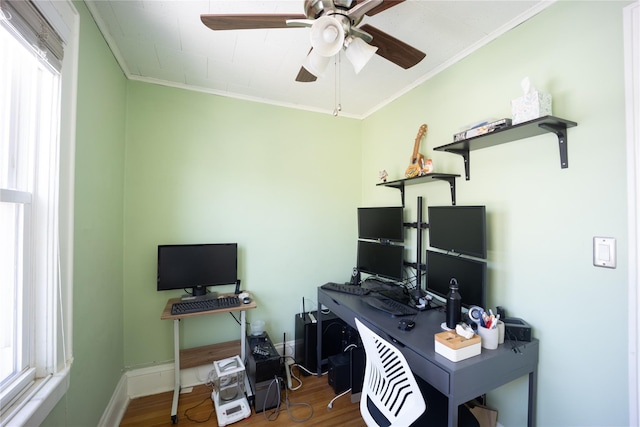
{"x":539,"y":126}
{"x":430,"y":177}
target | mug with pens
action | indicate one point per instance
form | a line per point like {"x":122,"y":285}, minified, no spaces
{"x":490,"y":328}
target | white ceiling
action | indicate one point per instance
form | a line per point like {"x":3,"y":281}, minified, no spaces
{"x":165,"y":42}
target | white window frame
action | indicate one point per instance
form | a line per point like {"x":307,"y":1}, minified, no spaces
{"x":49,"y":380}
{"x":631,"y":32}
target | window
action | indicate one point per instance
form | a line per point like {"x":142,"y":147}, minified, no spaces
{"x":34,"y":281}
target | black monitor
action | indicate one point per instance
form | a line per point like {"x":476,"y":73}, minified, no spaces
{"x":459,"y":229}
{"x":382,"y":260}
{"x":469,"y":273}
{"x":381,"y":223}
{"x":197,"y":266}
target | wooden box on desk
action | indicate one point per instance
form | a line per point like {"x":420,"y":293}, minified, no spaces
{"x":456,"y":347}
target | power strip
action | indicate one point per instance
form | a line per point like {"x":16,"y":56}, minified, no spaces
{"x":287,"y":368}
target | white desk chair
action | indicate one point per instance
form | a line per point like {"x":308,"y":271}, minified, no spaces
{"x":390,"y":393}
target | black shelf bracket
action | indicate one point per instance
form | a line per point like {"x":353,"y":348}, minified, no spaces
{"x":431,"y":177}
{"x":464,"y":153}
{"x":399,"y":186}
{"x":535,"y":127}
{"x":452,"y":186}
{"x":561,"y":132}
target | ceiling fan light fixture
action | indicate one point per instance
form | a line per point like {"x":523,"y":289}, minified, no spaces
{"x":359,"y":53}
{"x":327,"y":36}
{"x":330,"y":34}
{"x":316,"y":64}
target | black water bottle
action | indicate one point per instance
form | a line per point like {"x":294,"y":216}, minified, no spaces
{"x":453,"y":305}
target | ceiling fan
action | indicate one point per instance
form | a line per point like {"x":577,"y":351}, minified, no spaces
{"x":334,"y":26}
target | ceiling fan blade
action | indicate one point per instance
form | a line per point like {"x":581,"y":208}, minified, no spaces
{"x":247,"y":21}
{"x":386,"y":4}
{"x":300,"y":22}
{"x":305,"y":76}
{"x":393,"y":49}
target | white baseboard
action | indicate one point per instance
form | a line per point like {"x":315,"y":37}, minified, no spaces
{"x":150,"y":380}
{"x":145,"y":382}
{"x":159,"y":379}
{"x":117,"y":405}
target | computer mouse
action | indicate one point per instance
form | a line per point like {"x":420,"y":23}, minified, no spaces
{"x":406,"y":325}
{"x":246,"y":300}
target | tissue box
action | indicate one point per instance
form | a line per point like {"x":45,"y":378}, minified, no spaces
{"x":530,"y":106}
{"x":455,"y":347}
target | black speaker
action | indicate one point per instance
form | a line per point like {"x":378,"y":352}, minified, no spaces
{"x":516,"y":329}
{"x":355,"y":277}
{"x":306,"y":343}
{"x":339,"y":376}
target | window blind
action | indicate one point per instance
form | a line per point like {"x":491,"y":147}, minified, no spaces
{"x":23,"y":17}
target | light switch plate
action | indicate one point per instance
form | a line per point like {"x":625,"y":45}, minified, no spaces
{"x":604,"y":252}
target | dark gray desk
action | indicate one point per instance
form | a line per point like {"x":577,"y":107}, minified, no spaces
{"x":459,"y":381}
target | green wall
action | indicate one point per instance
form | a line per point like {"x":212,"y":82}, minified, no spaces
{"x":284,"y":184}
{"x":98,"y":332}
{"x":541,"y":218}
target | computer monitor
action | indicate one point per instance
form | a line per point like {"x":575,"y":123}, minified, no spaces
{"x":197,"y":266}
{"x":381,"y":223}
{"x":459,"y":229}
{"x":382,"y":260}
{"x":469,"y":273}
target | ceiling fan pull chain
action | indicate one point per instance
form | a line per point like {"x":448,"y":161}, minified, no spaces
{"x":339,"y":82}
{"x":336,"y":95}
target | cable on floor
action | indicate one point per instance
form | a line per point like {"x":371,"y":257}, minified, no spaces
{"x":288,"y":404}
{"x":330,"y":405}
{"x":194,"y":407}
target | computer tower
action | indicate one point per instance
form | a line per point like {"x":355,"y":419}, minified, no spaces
{"x":306,"y":341}
{"x":263,"y":371}
{"x":263,"y":358}
{"x":266,"y":394}
{"x":338,"y":375}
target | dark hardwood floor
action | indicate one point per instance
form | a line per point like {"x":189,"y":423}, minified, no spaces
{"x":196,"y":408}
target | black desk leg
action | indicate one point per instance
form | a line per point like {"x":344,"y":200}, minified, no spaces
{"x":319,"y":341}
{"x":533,"y":386}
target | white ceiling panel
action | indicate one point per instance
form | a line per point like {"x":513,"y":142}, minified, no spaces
{"x":165,"y":42}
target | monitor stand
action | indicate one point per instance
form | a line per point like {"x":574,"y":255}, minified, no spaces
{"x":199,"y":292}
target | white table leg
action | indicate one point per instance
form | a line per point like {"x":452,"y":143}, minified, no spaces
{"x":243,"y":328}
{"x":176,"y":356}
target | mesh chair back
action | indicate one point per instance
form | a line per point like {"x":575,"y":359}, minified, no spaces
{"x":390,"y":393}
